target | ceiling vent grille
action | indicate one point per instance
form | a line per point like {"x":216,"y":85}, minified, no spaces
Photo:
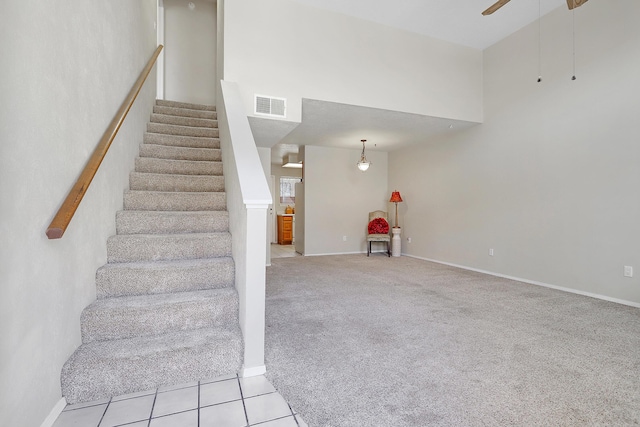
{"x":270,"y":106}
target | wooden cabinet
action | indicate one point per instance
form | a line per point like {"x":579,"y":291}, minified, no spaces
{"x":285,"y":229}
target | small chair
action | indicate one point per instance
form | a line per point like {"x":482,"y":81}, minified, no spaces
{"x":378,"y":230}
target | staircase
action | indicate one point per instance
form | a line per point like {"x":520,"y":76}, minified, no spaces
{"x":166,"y":309}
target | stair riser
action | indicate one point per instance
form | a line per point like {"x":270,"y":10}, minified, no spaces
{"x":169,"y":182}
{"x":160,"y":201}
{"x":104,"y":369}
{"x":180,"y":153}
{"x":177,"y":167}
{"x":185,"y":105}
{"x":180,"y":141}
{"x":133,"y":248}
{"x":115,"y":280}
{"x":156,"y":222}
{"x":108,"y":323}
{"x":183,"y":121}
{"x":183,"y":112}
{"x":182,"y":130}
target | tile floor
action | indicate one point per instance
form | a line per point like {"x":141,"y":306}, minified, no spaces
{"x":222,"y":402}
{"x":283,"y":251}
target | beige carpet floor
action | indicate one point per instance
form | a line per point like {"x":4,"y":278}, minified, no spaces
{"x":376,"y":341}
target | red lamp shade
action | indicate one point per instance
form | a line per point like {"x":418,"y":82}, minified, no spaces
{"x":395,"y":197}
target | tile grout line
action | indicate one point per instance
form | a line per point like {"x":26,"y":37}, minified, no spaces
{"x":105,"y":411}
{"x":246,"y":417}
{"x":294,"y":415}
{"x":198,"y":403}
{"x":153,"y":405}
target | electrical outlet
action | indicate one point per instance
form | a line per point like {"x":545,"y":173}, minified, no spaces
{"x":344,"y":238}
{"x":408,"y":239}
{"x":628,"y":271}
{"x":490,"y":252}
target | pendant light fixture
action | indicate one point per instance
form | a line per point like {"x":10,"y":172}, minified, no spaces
{"x":363,"y":163}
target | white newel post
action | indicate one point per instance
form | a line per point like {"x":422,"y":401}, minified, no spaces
{"x":256,"y":291}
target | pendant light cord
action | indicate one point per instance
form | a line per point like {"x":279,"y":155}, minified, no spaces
{"x":539,"y":41}
{"x":573,"y":28}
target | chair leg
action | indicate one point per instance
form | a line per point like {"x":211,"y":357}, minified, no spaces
{"x":369,"y":249}
{"x":389,"y":249}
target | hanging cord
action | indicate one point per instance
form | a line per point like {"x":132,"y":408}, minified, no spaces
{"x":573,"y":27}
{"x":539,"y":42}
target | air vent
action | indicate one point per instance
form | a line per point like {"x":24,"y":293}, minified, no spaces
{"x":270,"y":106}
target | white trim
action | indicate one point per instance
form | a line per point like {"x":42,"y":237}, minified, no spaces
{"x":533,"y":282}
{"x":347,"y":253}
{"x":160,"y":41}
{"x":55,"y":413}
{"x":253,"y":371}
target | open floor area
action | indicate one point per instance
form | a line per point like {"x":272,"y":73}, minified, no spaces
{"x":353,"y":340}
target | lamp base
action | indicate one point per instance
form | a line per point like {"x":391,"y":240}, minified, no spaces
{"x":396,"y":241}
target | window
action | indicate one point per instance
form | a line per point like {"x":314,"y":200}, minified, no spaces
{"x":288,"y":189}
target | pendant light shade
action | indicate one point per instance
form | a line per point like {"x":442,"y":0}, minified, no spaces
{"x":363,"y":164}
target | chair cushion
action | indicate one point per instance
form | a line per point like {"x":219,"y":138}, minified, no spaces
{"x":378,"y":226}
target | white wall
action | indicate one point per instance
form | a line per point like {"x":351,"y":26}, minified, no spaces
{"x":286,"y":49}
{"x":71,"y":66}
{"x":550,"y":180}
{"x":338,"y":198}
{"x":190,"y":51}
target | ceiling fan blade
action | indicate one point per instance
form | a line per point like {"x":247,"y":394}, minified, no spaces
{"x":497,"y":5}
{"x":575,"y":3}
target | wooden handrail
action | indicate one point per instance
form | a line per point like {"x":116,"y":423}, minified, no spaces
{"x":62,"y":219}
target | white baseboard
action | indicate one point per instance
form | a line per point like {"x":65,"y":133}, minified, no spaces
{"x":253,"y":372}
{"x":348,"y":253}
{"x":55,"y":413}
{"x":533,"y":282}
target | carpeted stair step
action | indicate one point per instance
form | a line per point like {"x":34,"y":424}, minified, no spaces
{"x":186,"y":105}
{"x":185,"y":112}
{"x":174,"y":201}
{"x":182,"y":130}
{"x":110,"y":368}
{"x":164,"y":247}
{"x":172,"y":182}
{"x":180,"y":141}
{"x":179,"y":167}
{"x":166,"y":222}
{"x":180,"y":153}
{"x":156,"y":277}
{"x":148,"y":315}
{"x":183,"y":121}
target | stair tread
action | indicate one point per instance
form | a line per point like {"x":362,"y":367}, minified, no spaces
{"x":174,"y":201}
{"x":147,"y":315}
{"x":150,"y":247}
{"x":176,"y":175}
{"x":160,"y":151}
{"x":150,"y":277}
{"x":185,"y":112}
{"x":183,"y":121}
{"x":102,"y":369}
{"x":185,"y":105}
{"x":182,"y":130}
{"x":159,"y":299}
{"x":178,"y":140}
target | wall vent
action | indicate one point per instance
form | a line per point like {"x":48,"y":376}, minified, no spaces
{"x":270,"y":106}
